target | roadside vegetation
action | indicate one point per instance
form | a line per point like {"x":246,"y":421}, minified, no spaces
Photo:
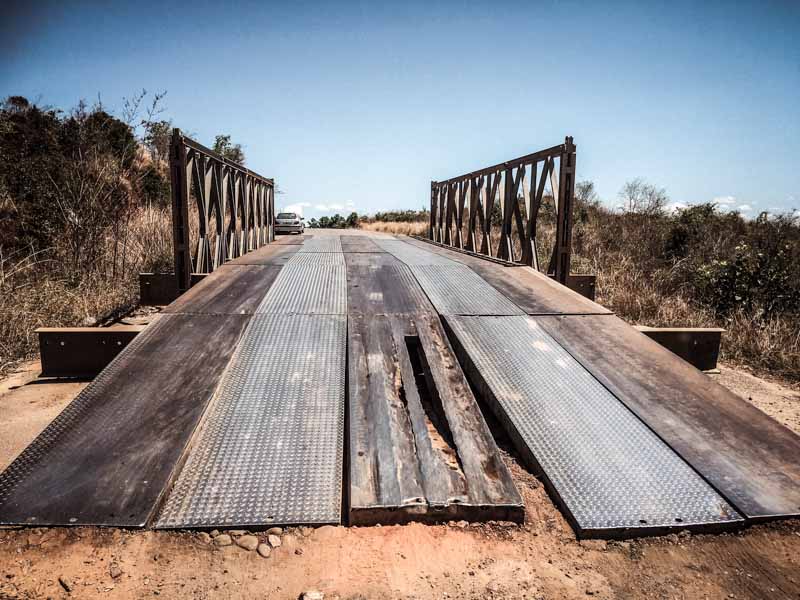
{"x":84,"y":207}
{"x":693,"y":267}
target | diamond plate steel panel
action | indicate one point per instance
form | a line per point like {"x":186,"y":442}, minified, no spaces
{"x":271,"y":448}
{"x":412,"y":255}
{"x":610,"y":471}
{"x":453,"y":288}
{"x":322,"y":243}
{"x":308,"y":289}
{"x":317,"y":258}
{"x":458,"y":290}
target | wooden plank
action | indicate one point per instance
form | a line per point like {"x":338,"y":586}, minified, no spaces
{"x":108,"y":457}
{"x":385,"y":478}
{"x":748,"y":457}
{"x":358,"y":243}
{"x":532,"y":291}
{"x":385,"y":287}
{"x":419,"y":447}
{"x":231,"y":289}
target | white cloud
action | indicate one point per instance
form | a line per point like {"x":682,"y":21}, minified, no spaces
{"x":724,"y":200}
{"x":297,"y":207}
{"x":331,"y":207}
{"x":744,"y":208}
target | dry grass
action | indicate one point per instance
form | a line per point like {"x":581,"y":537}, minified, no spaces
{"x":38,"y":291}
{"x":658,"y":296}
{"x":404,"y":228}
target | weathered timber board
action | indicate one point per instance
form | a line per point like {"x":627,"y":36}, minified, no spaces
{"x":230,"y":290}
{"x":751,"y":459}
{"x":384,"y":288}
{"x":413,"y":456}
{"x":533,"y":292}
{"x":108,"y":457}
{"x":369,"y":259}
{"x":358,"y":243}
{"x":271,"y":254}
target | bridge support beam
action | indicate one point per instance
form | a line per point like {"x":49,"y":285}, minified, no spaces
{"x":699,"y":346}
{"x":82,"y":351}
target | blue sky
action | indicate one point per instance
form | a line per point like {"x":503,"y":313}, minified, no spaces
{"x":357,"y":106}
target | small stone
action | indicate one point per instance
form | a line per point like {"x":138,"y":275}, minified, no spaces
{"x":273,"y":540}
{"x":65,"y":583}
{"x":248,"y":542}
{"x":114,"y":571}
{"x":298,"y":551}
{"x":312,"y":595}
{"x":223,"y":539}
{"x":462,"y":524}
{"x":214,"y":533}
{"x":204,"y":537}
{"x":274,"y":531}
{"x":237,"y":532}
{"x":264,"y":550}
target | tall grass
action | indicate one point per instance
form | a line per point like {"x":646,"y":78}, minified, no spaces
{"x":37,"y":290}
{"x":637,"y":282}
{"x":399,"y":227}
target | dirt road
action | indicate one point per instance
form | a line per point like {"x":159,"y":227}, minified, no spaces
{"x":541,"y":559}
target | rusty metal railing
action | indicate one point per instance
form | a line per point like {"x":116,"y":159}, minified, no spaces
{"x":235,"y":209}
{"x":503,"y":204}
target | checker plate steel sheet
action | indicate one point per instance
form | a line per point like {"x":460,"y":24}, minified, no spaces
{"x":271,"y":449}
{"x":322,"y":243}
{"x":453,"y":288}
{"x":309,"y":288}
{"x":610,"y":471}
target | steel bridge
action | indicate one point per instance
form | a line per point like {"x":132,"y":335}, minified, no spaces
{"x":344,"y":377}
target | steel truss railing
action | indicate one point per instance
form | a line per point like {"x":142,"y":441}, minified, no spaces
{"x":478,"y":192}
{"x":235,"y":208}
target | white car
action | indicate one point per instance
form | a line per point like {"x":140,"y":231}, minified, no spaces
{"x":289,"y":223}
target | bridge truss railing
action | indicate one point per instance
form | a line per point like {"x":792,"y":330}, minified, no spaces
{"x":495,"y":211}
{"x":233,"y":209}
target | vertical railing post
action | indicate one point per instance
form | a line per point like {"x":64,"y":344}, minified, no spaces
{"x":506,"y":251}
{"x":432,"y":216}
{"x":180,"y":211}
{"x":566,"y":191}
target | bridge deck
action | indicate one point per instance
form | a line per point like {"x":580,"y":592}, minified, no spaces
{"x":324,"y":372}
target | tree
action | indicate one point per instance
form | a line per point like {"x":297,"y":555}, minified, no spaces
{"x":157,"y":135}
{"x":641,"y":197}
{"x":585,"y":194}
{"x":223,"y":146}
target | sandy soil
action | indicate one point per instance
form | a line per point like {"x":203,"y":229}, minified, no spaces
{"x":541,"y":559}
